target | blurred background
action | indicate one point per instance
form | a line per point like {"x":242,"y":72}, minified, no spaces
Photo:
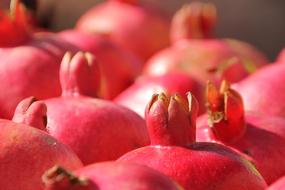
{"x":260,"y":22}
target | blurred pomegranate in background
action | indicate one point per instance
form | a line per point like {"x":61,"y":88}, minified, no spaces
{"x":29,"y":61}
{"x":193,"y":51}
{"x":138,"y":95}
{"x":140,"y":29}
{"x":119,"y":67}
{"x":264,"y":90}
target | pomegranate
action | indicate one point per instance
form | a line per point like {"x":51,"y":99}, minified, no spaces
{"x":26,"y":152}
{"x":108,"y":176}
{"x":174,"y":152}
{"x":96,"y":129}
{"x":29,"y":62}
{"x":259,"y":90}
{"x":260,"y":137}
{"x":281,"y":56}
{"x":278,"y":185}
{"x":138,"y":95}
{"x":139,"y":29}
{"x":119,"y":67}
{"x":194,"y":52}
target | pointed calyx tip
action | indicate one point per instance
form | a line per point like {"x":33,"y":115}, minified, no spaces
{"x":171,"y":119}
{"x":219,"y":101}
{"x":79,"y":74}
{"x":194,"y":21}
{"x":225,"y":112}
{"x":31,"y":112}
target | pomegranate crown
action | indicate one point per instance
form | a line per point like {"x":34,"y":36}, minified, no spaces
{"x":225,"y":112}
{"x":58,"y":178}
{"x":79,"y":75}
{"x":31,"y":112}
{"x":172,"y":120}
{"x":194,"y":20}
{"x":15,"y":25}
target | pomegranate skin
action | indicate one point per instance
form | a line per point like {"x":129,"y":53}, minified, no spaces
{"x":173,"y":151}
{"x":257,"y":144}
{"x":26,"y":153}
{"x":131,"y":25}
{"x":200,"y":166}
{"x":96,"y":129}
{"x":111,"y":57}
{"x":277,"y":185}
{"x":194,"y":51}
{"x":113,"y":176}
{"x":30,"y":69}
{"x":268,"y":82}
{"x":138,"y":95}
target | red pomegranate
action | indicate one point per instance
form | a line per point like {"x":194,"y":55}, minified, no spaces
{"x":96,"y":129}
{"x":174,"y":152}
{"x":29,"y":63}
{"x":139,"y":29}
{"x":260,"y":137}
{"x":26,"y":152}
{"x":108,"y":176}
{"x":119,"y":67}
{"x":278,"y":185}
{"x":264,"y":90}
{"x":194,"y":52}
{"x":137,"y":96}
{"x":281,"y":56}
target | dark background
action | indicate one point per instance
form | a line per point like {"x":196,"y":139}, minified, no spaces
{"x":260,"y":22}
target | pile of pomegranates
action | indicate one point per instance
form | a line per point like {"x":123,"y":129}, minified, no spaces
{"x":128,"y":99}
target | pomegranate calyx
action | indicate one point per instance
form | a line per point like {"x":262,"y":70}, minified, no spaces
{"x":171,"y":120}
{"x":15,"y":25}
{"x":225,"y":112}
{"x":31,"y":112}
{"x":58,"y":177}
{"x":194,"y":20}
{"x":79,"y":75}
